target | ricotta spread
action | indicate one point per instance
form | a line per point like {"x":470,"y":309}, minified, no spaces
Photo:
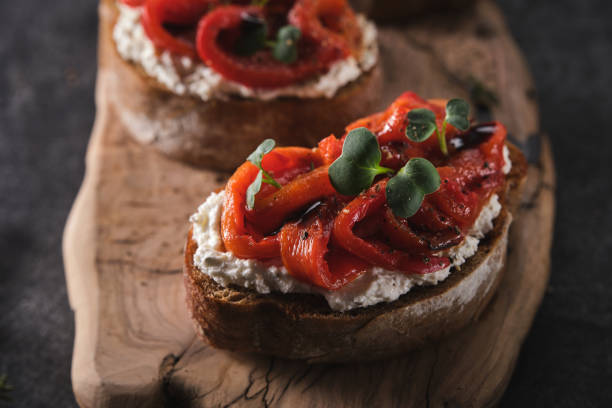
{"x":184,"y":76}
{"x":375,"y":286}
{"x":507,"y":163}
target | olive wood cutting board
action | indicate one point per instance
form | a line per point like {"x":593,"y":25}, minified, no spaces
{"x":123,"y":247}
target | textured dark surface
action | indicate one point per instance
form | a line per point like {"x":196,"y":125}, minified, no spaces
{"x":47,"y":73}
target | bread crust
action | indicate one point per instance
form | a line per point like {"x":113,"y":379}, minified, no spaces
{"x":302,"y":326}
{"x":219,"y":134}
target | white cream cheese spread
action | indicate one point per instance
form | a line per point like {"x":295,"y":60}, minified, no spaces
{"x":184,"y":76}
{"x":375,"y":286}
{"x":507,"y":163}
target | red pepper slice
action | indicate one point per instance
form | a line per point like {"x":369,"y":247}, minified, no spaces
{"x":390,"y":125}
{"x":330,"y":149}
{"x":373,"y":250}
{"x":156,"y":13}
{"x":305,"y":253}
{"x":260,"y":70}
{"x":272,"y":210}
{"x":366,"y":203}
{"x":390,"y":128}
{"x":400,"y":231}
{"x":246,"y":240}
{"x":286,"y":163}
{"x":329,"y":22}
{"x":401,"y":234}
{"x":472,"y":175}
{"x":237,"y":237}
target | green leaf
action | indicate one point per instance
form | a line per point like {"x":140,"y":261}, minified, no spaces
{"x":348,"y":178}
{"x":457,"y":111}
{"x":263,"y":176}
{"x":404,"y":197}
{"x":359,"y":163}
{"x":422,"y":124}
{"x":5,"y":389}
{"x":264,"y":148}
{"x":253,"y":32}
{"x":361,"y":146}
{"x":285,"y":49}
{"x":407,"y":189}
{"x":423,"y":173}
{"x":253,"y":189}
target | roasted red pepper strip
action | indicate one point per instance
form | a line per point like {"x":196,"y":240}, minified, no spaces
{"x":390,"y":125}
{"x":286,"y":163}
{"x":185,"y":12}
{"x":272,"y":210}
{"x":306,"y":255}
{"x":260,"y":70}
{"x":366,"y":203}
{"x":247,"y":241}
{"x":331,"y":23}
{"x":473,"y":174}
{"x":390,"y":128}
{"x":373,"y":250}
{"x":240,"y":240}
{"x":401,"y":233}
{"x":330,"y":149}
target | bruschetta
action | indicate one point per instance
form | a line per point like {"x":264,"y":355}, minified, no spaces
{"x":204,"y":81}
{"x":363,"y":247}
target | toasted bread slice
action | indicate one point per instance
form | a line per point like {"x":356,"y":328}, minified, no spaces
{"x":219,"y":134}
{"x":302,"y":326}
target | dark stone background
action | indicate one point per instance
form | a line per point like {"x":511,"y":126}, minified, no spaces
{"x":47,"y":73}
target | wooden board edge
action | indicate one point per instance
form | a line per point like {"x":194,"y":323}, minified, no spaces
{"x":79,"y":255}
{"x":545,"y":209}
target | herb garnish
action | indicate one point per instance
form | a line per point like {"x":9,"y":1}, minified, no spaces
{"x":358,"y":165}
{"x":262,"y":176}
{"x":406,"y":190}
{"x":423,"y":122}
{"x":285,"y":49}
{"x":5,"y":388}
{"x":254,"y":31}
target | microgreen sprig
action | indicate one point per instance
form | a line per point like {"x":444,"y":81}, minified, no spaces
{"x":423,"y":122}
{"x":285,"y":48}
{"x":262,"y":176}
{"x":5,"y":388}
{"x":354,"y":171}
{"x":359,"y":163}
{"x":407,"y":189}
{"x":254,"y":31}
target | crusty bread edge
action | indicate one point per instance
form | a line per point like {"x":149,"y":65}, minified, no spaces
{"x":301,"y":326}
{"x":219,"y":134}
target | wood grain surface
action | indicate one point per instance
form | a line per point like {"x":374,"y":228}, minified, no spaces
{"x":123,"y":243}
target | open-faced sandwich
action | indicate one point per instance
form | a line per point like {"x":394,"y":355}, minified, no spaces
{"x":206,"y":80}
{"x":362,"y":247}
